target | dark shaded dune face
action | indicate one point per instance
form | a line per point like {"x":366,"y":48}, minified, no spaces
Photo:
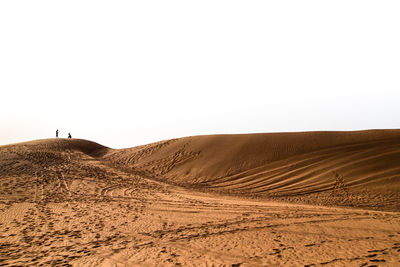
{"x":370,"y":164}
{"x":281,"y":165}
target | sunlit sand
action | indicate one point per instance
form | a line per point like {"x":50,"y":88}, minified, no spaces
{"x":283,"y":199}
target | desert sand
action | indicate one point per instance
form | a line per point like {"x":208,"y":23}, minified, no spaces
{"x":281,"y":199}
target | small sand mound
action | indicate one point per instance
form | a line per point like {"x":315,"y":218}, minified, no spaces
{"x":60,"y":144}
{"x":42,"y":156}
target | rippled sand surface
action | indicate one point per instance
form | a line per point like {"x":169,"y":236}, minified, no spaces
{"x":203,"y":201}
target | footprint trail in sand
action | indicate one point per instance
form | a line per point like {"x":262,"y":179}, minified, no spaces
{"x":65,"y":203}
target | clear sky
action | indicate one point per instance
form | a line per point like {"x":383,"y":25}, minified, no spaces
{"x":126,"y":73}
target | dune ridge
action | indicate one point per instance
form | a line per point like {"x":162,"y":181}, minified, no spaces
{"x":294,"y":167}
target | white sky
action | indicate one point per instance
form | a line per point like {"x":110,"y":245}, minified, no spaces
{"x":126,"y":73}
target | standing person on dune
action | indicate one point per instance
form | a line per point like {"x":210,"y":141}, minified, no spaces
{"x":69,"y":135}
{"x":57,"y":133}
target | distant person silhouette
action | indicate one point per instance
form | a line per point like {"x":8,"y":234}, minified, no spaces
{"x":69,"y":135}
{"x":57,"y":133}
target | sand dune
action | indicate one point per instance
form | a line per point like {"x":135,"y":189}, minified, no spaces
{"x":279,"y":165}
{"x":224,"y":200}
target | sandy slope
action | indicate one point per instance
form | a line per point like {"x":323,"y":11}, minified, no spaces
{"x":75,"y":202}
{"x":289,"y":166}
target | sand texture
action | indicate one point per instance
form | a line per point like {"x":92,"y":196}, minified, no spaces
{"x":283,"y":199}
